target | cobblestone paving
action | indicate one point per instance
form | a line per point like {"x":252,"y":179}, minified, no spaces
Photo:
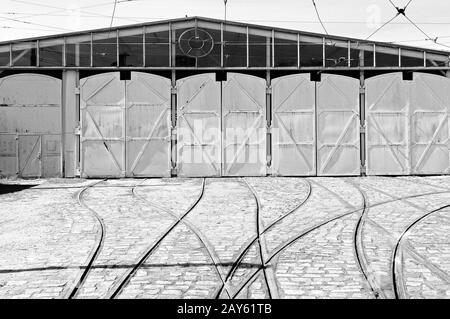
{"x":44,"y":236}
{"x":316,"y":240}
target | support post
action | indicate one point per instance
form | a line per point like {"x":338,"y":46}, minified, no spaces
{"x":362,"y":114}
{"x":69,"y":123}
{"x":269,"y":122}
{"x":173,"y":112}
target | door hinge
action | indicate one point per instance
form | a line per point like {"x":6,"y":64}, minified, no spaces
{"x":362,"y":129}
{"x":269,"y":90}
{"x":78,"y":130}
{"x":174,"y":90}
{"x":362,"y":90}
{"x":77,"y":90}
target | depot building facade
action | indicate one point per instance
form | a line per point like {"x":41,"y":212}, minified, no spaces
{"x":204,"y":97}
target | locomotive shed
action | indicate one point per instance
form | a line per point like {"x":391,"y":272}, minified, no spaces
{"x":203,"y":158}
{"x":198,"y":97}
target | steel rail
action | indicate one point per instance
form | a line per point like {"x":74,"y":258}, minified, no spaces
{"x":250,"y":243}
{"x":327,"y":221}
{"x":258,"y":235}
{"x":397,"y":280}
{"x":117,"y":289}
{"x":203,"y":240}
{"x":98,"y":244}
{"x":358,"y":246}
{"x":399,"y":242}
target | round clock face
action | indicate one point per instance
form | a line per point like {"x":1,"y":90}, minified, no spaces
{"x":196,"y":43}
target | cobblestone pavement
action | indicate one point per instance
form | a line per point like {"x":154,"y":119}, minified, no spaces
{"x":271,"y":237}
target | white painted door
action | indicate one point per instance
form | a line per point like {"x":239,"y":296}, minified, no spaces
{"x":30,"y":156}
{"x":338,"y":145}
{"x":148,"y":125}
{"x":430,"y":105}
{"x":293,"y":126}
{"x":387,"y":116}
{"x":103,"y":126}
{"x":244,"y":125}
{"x":125,"y":126}
{"x":199,"y":148}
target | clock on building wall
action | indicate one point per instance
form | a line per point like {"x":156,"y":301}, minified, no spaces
{"x":196,"y":43}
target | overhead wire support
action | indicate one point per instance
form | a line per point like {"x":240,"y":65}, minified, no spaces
{"x":402,"y":11}
{"x":318,"y":16}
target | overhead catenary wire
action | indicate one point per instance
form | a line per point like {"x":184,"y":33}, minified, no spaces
{"x":79,"y":10}
{"x":145,"y":18}
{"x":112,"y":15}
{"x":381,"y":27}
{"x":37,"y":24}
{"x":402,"y":11}
{"x":424,"y":33}
{"x":320,"y":21}
{"x":318,"y":16}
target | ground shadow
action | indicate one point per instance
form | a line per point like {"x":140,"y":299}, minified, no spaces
{"x":12,"y":188}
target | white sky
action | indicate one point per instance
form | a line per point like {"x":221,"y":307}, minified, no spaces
{"x":352,"y":18}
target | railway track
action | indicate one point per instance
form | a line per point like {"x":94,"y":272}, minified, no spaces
{"x":358,"y":246}
{"x":284,"y":246}
{"x":252,"y":241}
{"x":258,"y":236}
{"x":265,"y":258}
{"x":287,"y":244}
{"x":117,"y":288}
{"x":397,"y":278}
{"x":72,"y":293}
{"x":396,"y":269}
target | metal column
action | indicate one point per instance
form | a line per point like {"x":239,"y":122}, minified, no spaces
{"x":362,"y":115}
{"x":173,"y":109}
{"x":269,"y":122}
{"x":69,"y":122}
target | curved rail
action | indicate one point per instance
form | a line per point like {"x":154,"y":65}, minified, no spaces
{"x":395,"y":286}
{"x":98,"y":245}
{"x":203,"y":240}
{"x":116,"y":290}
{"x":327,"y":221}
{"x":250,"y":243}
{"x":359,"y":246}
{"x":258,"y":235}
{"x":399,"y":241}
